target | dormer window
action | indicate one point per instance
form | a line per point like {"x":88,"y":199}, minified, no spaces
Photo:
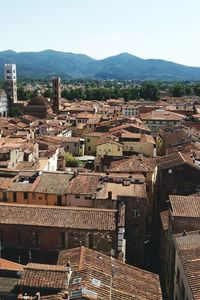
{"x":77,"y":280}
{"x":96,"y":282}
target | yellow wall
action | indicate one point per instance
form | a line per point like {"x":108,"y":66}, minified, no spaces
{"x":109,"y":150}
{"x":159,"y":144}
{"x":90,"y":141}
{"x":139,"y":147}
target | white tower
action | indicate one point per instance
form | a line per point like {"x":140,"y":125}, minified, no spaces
{"x":11,"y":82}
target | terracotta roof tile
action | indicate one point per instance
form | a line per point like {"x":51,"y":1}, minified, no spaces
{"x":188,"y":248}
{"x":175,"y":159}
{"x":185,"y":206}
{"x":84,"y":184}
{"x":117,"y":280}
{"x":44,"y":276}
{"x":60,"y":217}
{"x":133,"y":164}
{"x":10,"y":265}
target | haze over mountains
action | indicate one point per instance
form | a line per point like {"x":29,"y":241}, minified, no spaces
{"x":49,"y":63}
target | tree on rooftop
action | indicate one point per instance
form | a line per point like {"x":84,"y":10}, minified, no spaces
{"x":70,"y":160}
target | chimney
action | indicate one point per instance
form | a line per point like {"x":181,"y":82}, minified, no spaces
{"x":154,"y":151}
{"x":65,"y":295}
{"x":184,"y":233}
{"x":37,"y":296}
{"x":69,"y":273}
{"x":110,"y":195}
{"x":20,"y":296}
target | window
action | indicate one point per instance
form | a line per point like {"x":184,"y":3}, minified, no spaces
{"x":96,"y":282}
{"x":35,"y":238}
{"x":77,"y":280}
{"x":89,"y":148}
{"x":118,"y":148}
{"x":59,"y":200}
{"x":75,"y":144}
{"x":14,"y":197}
{"x":88,"y":140}
{"x":1,"y":236}
{"x":135,"y":231}
{"x":19,"y":237}
{"x":4,"y":196}
{"x":67,"y":147}
{"x":33,"y":196}
{"x":25,"y":195}
{"x":136,"y":212}
{"x":77,"y":196}
{"x":178,"y":275}
{"x":62,"y":239}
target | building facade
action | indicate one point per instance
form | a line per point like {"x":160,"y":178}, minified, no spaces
{"x":3,"y":104}
{"x":11,"y":82}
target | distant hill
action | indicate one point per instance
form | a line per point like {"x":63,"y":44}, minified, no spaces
{"x":51,"y":63}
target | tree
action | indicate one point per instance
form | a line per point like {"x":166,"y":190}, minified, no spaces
{"x":70,"y":160}
{"x":23,"y":94}
{"x":48,"y":93}
{"x":149,"y":91}
{"x":177,"y":90}
{"x":188,"y":91}
{"x":15,"y":112}
{"x":196,"y":89}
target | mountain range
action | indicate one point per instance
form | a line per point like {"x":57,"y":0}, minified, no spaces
{"x":125,"y":66}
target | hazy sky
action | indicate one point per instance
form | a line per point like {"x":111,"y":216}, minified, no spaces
{"x":166,"y":29}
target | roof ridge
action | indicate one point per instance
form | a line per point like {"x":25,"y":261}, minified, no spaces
{"x":57,"y":207}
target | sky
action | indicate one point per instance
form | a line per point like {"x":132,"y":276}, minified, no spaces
{"x":162,"y":29}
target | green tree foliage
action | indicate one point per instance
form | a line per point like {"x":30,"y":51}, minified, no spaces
{"x":15,"y":112}
{"x":23,"y":94}
{"x":177,"y":90}
{"x":149,"y":91}
{"x":70,"y":160}
{"x":48,"y":93}
{"x":196,"y":89}
{"x":188,"y":90}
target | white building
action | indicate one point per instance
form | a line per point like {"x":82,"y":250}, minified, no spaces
{"x":11,"y":82}
{"x":3,"y":104}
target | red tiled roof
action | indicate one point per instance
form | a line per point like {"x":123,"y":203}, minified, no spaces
{"x":10,"y":265}
{"x":60,"y":217}
{"x":133,"y":164}
{"x":43,"y":276}
{"x":175,"y":159}
{"x":161,"y":115}
{"x":185,"y":206}
{"x":118,"y":281}
{"x":188,"y":250}
{"x":84,"y":184}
